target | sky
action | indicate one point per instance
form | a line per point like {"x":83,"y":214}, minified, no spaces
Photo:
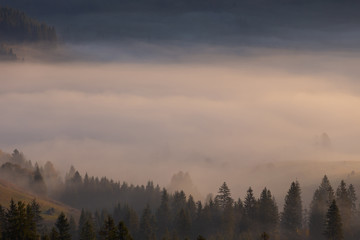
{"x":254,"y":119}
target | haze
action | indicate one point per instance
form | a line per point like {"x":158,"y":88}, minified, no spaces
{"x":248,"y":119}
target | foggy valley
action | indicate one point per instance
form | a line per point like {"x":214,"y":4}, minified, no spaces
{"x":110,"y":110}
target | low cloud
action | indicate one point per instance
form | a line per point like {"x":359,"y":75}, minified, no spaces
{"x":222,"y":120}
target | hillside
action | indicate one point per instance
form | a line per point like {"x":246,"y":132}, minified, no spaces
{"x":9,"y":191}
{"x":16,"y":26}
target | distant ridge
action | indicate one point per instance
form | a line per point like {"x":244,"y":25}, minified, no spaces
{"x":16,"y":26}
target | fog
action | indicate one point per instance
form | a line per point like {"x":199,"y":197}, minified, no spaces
{"x":257,"y":119}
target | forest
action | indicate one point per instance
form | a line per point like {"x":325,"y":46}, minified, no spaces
{"x":114,"y":210}
{"x":16,"y":26}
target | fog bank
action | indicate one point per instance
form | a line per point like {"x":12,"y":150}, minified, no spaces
{"x":253,"y":120}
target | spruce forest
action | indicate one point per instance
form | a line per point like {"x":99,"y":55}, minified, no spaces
{"x":114,"y":210}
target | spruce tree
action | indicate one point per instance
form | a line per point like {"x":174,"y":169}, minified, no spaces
{"x":63,"y":227}
{"x":35,"y":207}
{"x":268,"y":212}
{"x":109,"y":231}
{"x":87,"y":231}
{"x":123,"y":232}
{"x":12,"y":222}
{"x":250,"y":210}
{"x":73,"y":230}
{"x":163,"y":214}
{"x":344,"y":201}
{"x":333,"y":225}
{"x":30,"y":226}
{"x":321,"y":201}
{"x":223,"y":198}
{"x":291,"y":217}
{"x":147,"y":225}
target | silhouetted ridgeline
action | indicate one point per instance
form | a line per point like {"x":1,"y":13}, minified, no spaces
{"x":120,"y":211}
{"x":17,"y":27}
{"x":267,"y":22}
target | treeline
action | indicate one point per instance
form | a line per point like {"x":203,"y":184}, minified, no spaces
{"x":16,"y":26}
{"x":76,"y":191}
{"x":151,"y":213}
{"x":97,"y":193}
{"x":179,"y":217}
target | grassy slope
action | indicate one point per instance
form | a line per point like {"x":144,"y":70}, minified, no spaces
{"x":8,"y":191}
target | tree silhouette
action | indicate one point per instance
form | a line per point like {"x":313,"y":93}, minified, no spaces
{"x":333,"y":225}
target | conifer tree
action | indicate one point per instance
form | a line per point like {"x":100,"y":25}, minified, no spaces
{"x":291,"y":218}
{"x":30,"y":226}
{"x":73,"y":230}
{"x":123,"y":232}
{"x":63,"y":227}
{"x":345,"y":205}
{"x":131,"y":220}
{"x":223,"y":198}
{"x":147,"y":225}
{"x":268,"y":212}
{"x":109,"y":231}
{"x":82,"y":220}
{"x":163,"y":214}
{"x":35,"y":207}
{"x":321,"y":201}
{"x":87,"y":231}
{"x":333,"y":225}
{"x":183,"y":223}
{"x":12,"y":222}
{"x":250,"y":210}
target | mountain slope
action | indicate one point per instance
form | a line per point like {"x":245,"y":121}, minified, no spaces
{"x":50,"y":208}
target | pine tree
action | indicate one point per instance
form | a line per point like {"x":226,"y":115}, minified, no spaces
{"x":82,"y":220}
{"x":21,"y":221}
{"x":183,"y":223}
{"x":131,"y":220}
{"x":250,"y":210}
{"x":87,"y":231}
{"x":353,"y":198}
{"x":35,"y":207}
{"x":30,"y":226}
{"x":223,"y":198}
{"x":163,"y":214}
{"x":291,"y":218}
{"x":63,"y":227}
{"x":268,"y":213}
{"x":109,"y":231}
{"x":333,"y":225}
{"x":12,"y":222}
{"x":321,"y":201}
{"x":345,"y":201}
{"x":123,"y":232}
{"x":73,"y":230}
{"x":147,"y":225}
